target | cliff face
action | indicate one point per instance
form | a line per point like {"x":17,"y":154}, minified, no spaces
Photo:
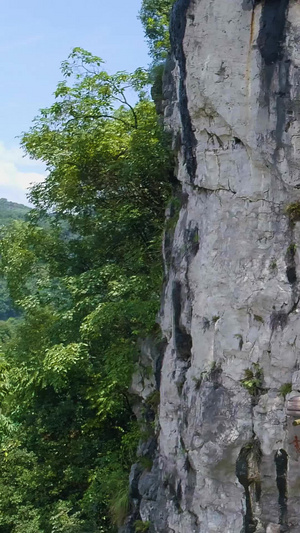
{"x":228,"y":457}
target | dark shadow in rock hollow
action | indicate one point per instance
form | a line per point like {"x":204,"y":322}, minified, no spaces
{"x":281,"y":462}
{"x":183,"y":340}
{"x":248,"y":474}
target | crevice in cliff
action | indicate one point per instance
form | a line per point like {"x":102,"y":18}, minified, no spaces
{"x":248,"y":474}
{"x":291,"y":272}
{"x":177,"y":201}
{"x":282,"y":100}
{"x":175,"y":491}
{"x":272,"y":33}
{"x":203,"y":189}
{"x":206,"y":190}
{"x":237,"y":142}
{"x":271,"y":39}
{"x":249,"y":5}
{"x":144,"y":479}
{"x":190,"y":489}
{"x":281,"y":462}
{"x":280,"y":318}
{"x":183,"y":340}
{"x":191,"y":238}
{"x":159,"y":362}
{"x":177,"y":32}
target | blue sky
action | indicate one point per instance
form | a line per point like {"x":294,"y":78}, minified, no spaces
{"x":35,"y":37}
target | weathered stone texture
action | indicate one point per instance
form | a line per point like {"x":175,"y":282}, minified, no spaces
{"x":228,"y":458}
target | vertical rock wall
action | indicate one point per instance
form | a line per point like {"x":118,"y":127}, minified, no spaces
{"x":228,"y":457}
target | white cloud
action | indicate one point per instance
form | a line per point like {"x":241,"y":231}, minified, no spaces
{"x":17,"y":173}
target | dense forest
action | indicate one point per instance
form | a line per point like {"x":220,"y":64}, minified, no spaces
{"x":9,"y":212}
{"x":84,"y":272}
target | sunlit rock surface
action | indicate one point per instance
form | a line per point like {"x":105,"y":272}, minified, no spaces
{"x":228,"y":458}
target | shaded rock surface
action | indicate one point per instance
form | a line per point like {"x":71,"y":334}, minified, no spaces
{"x":228,"y":457}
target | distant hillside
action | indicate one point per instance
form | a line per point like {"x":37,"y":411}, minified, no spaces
{"x":10,"y":211}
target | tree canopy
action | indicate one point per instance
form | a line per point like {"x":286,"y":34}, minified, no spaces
{"x":9,"y":212}
{"x":155,"y":17}
{"x":85,"y":270}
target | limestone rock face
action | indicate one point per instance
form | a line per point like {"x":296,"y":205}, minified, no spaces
{"x":228,"y":456}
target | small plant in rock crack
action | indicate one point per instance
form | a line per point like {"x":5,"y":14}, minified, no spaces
{"x":253,"y":380}
{"x":120,"y":504}
{"x":213,"y":375}
{"x":199,"y":380}
{"x":153,"y":400}
{"x":146,"y":462}
{"x":292,"y":249}
{"x":141,"y":527}
{"x":293,"y":212}
{"x":258,"y":318}
{"x":174,"y":210}
{"x":147,"y":431}
{"x":195,"y":236}
{"x":285,"y":389}
{"x":147,"y":371}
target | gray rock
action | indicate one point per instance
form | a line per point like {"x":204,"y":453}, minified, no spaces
{"x":296,"y":380}
{"x":134,"y":477}
{"x":273,"y":528}
{"x":148,"y":485}
{"x":232,"y":322}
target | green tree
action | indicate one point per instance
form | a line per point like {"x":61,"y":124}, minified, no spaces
{"x":85,"y":270}
{"x":155,"y":17}
{"x":9,"y":212}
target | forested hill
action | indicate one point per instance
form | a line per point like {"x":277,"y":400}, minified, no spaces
{"x":10,"y":211}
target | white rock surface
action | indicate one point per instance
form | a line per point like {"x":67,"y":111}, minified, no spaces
{"x":232,"y":293}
